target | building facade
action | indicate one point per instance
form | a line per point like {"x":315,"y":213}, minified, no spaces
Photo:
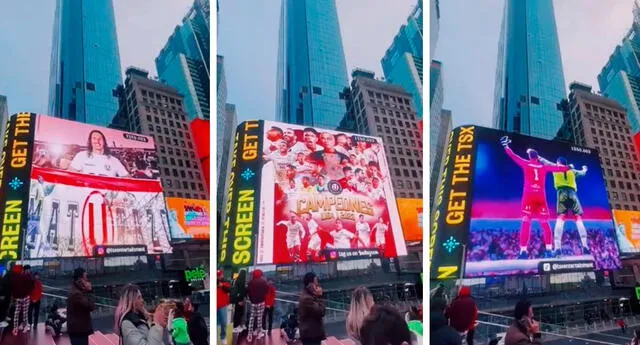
{"x":436,"y":99}
{"x":444,"y":130}
{"x":184,"y":64}
{"x":312,"y":70}
{"x":85,"y":62}
{"x":230,"y":123}
{"x":402,"y":62}
{"x":434,"y":25}
{"x":619,"y":79}
{"x":221,"y":101}
{"x":601,"y":123}
{"x":529,"y":76}
{"x":152,"y":108}
{"x":4,"y":116}
{"x":385,"y":110}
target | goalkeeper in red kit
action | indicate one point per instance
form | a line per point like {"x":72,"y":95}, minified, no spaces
{"x":534,"y":198}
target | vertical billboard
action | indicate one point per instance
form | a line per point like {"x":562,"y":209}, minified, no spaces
{"x":200,"y":132}
{"x":188,"y":219}
{"x":411,"y":219}
{"x":519,"y":205}
{"x":87,"y":190}
{"x":310,"y":195}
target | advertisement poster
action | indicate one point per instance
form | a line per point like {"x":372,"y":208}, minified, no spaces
{"x":411,"y":219}
{"x":325,"y":195}
{"x":93,"y":191}
{"x":521,"y":205}
{"x":628,"y":230}
{"x":188,"y":218}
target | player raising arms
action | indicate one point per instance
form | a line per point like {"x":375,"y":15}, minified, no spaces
{"x":566,"y":187}
{"x":381,"y":230}
{"x":364,"y":233}
{"x":534,"y":198}
{"x":341,"y":236}
{"x":295,"y":232}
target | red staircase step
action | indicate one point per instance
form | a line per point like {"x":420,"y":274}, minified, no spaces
{"x":98,"y":338}
{"x":113,"y":338}
{"x":332,"y":341}
{"x":274,"y":339}
{"x":35,"y":337}
{"x":348,"y":342}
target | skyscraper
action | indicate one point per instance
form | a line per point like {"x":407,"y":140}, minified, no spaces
{"x":85,"y":62}
{"x":434,"y":25}
{"x":529,"y":77}
{"x":620,"y":77}
{"x":402,"y":62}
{"x":4,"y":116}
{"x":184,"y":61}
{"x":312,"y":70}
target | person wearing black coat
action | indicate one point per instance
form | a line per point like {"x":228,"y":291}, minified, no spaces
{"x":197,"y":327}
{"x":440,"y":331}
{"x":238,"y":295}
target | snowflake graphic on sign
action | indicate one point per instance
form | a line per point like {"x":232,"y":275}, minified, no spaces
{"x":247,"y":174}
{"x":451,"y":244}
{"x":15,"y":183}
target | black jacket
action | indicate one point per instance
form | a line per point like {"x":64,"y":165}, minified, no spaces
{"x":311,"y":311}
{"x":238,"y":291}
{"x":80,"y":304}
{"x":198,"y":330}
{"x":441,"y":333}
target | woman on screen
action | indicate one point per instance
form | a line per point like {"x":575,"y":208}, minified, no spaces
{"x":97,"y":159}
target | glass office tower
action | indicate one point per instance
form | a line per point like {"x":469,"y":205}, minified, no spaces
{"x":85,"y":62}
{"x":402,"y":63}
{"x":312,"y":71}
{"x":529,"y":77}
{"x":184,"y":61}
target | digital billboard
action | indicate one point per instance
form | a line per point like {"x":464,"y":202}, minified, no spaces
{"x":520,"y":205}
{"x":78,"y":190}
{"x":188,"y":218}
{"x":300,"y":194}
{"x":200,"y":132}
{"x":628,"y":230}
{"x":411,"y":219}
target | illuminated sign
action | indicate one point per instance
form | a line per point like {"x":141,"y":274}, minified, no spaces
{"x":241,"y":211}
{"x":411,"y":218}
{"x":14,"y":182}
{"x":518,"y":205}
{"x":196,"y":274}
{"x":628,"y":230}
{"x":188,"y":218}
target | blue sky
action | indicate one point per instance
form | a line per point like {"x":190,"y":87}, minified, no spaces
{"x":588,"y":31}
{"x":248,"y":40}
{"x":143,"y":28}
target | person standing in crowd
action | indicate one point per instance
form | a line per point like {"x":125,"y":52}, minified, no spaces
{"x":238,"y":296}
{"x":463,"y":313}
{"x":361,"y":304}
{"x":80,"y":304}
{"x":5,"y":296}
{"x":311,"y":309}
{"x":223,"y":300}
{"x":440,"y":331}
{"x":36,"y":296}
{"x":385,"y":325}
{"x":21,"y":288}
{"x":177,"y":324}
{"x":258,"y":290}
{"x":131,"y":319}
{"x":414,"y":321}
{"x":524,"y":330}
{"x":198,"y":329}
{"x":268,"y":308}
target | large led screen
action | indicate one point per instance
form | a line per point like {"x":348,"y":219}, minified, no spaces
{"x":411,"y":219}
{"x":90,"y":191}
{"x":300,"y":194}
{"x":628,"y":230}
{"x":519,"y":205}
{"x":188,"y":219}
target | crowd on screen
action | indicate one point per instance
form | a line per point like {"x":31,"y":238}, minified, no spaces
{"x":502,"y":244}
{"x":251,"y":303}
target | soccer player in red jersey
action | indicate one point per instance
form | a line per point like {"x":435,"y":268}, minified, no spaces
{"x":534,"y":198}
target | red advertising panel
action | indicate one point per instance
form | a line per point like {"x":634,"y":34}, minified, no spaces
{"x":93,"y":191}
{"x":200,"y":133}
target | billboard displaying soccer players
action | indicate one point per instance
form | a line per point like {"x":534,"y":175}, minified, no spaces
{"x":520,"y":205}
{"x":188,"y":219}
{"x":311,"y":194}
{"x":92,"y":191}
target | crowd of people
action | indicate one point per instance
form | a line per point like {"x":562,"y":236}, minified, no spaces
{"x":169,"y":323}
{"x":20,"y":294}
{"x":367,"y":322}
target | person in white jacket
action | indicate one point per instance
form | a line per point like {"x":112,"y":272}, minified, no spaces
{"x":131,"y":320}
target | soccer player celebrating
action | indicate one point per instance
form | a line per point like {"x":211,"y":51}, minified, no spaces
{"x":295,"y":231}
{"x":534,"y":198}
{"x":566,"y":187}
{"x":341,"y":236}
{"x":381,"y":229}
{"x":314,"y":245}
{"x":364,"y":233}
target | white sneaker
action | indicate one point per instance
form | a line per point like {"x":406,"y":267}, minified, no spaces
{"x":238,"y":329}
{"x":249,"y":338}
{"x":223,"y":341}
{"x":4,"y":324}
{"x":260,"y":335}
